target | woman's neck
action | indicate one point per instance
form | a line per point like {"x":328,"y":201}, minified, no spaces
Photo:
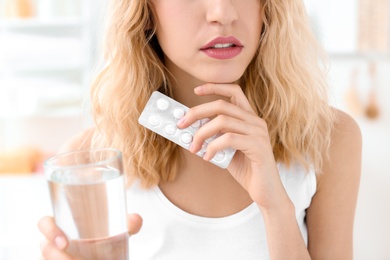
{"x":183,"y":85}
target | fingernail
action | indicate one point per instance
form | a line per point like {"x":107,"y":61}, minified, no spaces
{"x":206,"y":157}
{"x":60,"y":242}
{"x":198,"y":89}
{"x":181,"y":121}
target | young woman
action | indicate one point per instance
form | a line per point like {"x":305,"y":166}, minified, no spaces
{"x":253,"y":68}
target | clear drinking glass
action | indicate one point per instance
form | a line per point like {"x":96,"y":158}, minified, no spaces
{"x":87,"y":190}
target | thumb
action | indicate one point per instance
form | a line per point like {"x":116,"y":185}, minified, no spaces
{"x":134,"y":223}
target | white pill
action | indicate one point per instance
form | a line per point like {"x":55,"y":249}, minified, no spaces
{"x":162,"y":104}
{"x":154,"y":120}
{"x":196,"y":124}
{"x":186,"y":138}
{"x":178,"y":113}
{"x":219,"y":156}
{"x":204,"y":147}
{"x":203,"y":150}
{"x":170,"y":129}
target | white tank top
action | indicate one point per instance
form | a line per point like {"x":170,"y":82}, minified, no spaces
{"x":171,"y":233}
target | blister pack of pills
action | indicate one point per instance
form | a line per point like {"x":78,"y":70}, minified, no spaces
{"x":161,"y":115}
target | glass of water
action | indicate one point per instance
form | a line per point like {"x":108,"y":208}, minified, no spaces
{"x":87,"y":190}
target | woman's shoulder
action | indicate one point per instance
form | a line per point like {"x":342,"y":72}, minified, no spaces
{"x":331,"y":213}
{"x":80,"y":141}
{"x":345,"y":124}
{"x":345,"y":147}
{"x":346,"y":131}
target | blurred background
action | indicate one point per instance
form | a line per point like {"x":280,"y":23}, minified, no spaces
{"x":48,"y":49}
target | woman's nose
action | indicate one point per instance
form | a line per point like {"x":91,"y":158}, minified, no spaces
{"x":223,"y":12}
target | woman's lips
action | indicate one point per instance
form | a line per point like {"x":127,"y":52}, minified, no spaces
{"x":222,"y":48}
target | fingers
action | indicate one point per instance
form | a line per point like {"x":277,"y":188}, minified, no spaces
{"x":244,"y":143}
{"x":231,"y":91}
{"x":49,"y":229}
{"x":238,"y":107}
{"x":214,"y":109}
{"x":220,"y":125}
{"x":134,"y":223}
{"x":50,"y":251}
{"x":54,"y":246}
{"x":234,"y":123}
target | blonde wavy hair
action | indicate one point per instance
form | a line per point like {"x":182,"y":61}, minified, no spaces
{"x":285,"y":84}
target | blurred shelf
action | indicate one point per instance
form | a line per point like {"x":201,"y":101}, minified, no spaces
{"x":41,"y":97}
{"x":369,"y":56}
{"x":39,"y":23}
{"x":45,"y":61}
{"x":71,"y":112}
{"x":44,"y":66}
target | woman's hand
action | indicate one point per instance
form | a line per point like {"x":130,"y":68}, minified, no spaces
{"x":253,"y":165}
{"x":54,"y":247}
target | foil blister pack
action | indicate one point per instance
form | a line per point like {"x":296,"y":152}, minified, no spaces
{"x":161,"y":114}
